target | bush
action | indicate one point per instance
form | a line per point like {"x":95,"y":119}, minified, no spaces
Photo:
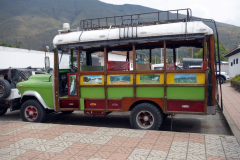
{"x":235,"y":82}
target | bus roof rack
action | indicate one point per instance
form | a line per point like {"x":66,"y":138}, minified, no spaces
{"x":143,"y":19}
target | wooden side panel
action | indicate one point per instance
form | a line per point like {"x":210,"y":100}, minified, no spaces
{"x":185,"y":106}
{"x":212,"y":68}
{"x":56,"y":92}
{"x":119,"y":92}
{"x":148,"y":91}
{"x":94,"y":104}
{"x":128,"y":101}
{"x":69,"y":104}
{"x":186,"y":92}
{"x":114,"y":104}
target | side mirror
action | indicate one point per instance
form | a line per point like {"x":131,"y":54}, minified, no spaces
{"x":47,"y":63}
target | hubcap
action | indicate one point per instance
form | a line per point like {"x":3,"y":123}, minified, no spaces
{"x":31,"y":113}
{"x":145,"y":119}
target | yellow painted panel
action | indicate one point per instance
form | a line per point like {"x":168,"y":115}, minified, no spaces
{"x":120,"y":79}
{"x":151,"y":80}
{"x":92,"y":79}
{"x":186,"y":78}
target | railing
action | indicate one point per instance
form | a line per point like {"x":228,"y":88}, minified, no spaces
{"x":143,"y":19}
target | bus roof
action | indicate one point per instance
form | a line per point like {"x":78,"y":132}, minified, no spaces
{"x":140,"y":34}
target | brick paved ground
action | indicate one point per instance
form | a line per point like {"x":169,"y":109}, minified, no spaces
{"x":38,"y":141}
{"x":231,"y":102}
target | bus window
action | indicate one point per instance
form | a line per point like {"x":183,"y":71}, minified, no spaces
{"x":92,"y":61}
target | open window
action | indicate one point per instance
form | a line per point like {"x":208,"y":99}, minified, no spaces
{"x":92,"y":61}
{"x":119,"y":61}
{"x":68,"y":67}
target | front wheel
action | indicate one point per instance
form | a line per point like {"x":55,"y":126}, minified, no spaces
{"x":3,"y":111}
{"x":32,"y":111}
{"x":146,"y":116}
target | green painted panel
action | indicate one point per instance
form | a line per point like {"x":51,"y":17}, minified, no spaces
{"x":185,"y":92}
{"x":40,"y":84}
{"x":119,"y":92}
{"x":82,"y":104}
{"x":92,"y":92}
{"x":64,"y":71}
{"x":150,"y":91}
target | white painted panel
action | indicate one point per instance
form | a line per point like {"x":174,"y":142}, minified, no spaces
{"x":142,"y":31}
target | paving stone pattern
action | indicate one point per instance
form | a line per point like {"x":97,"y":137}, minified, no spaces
{"x":39,"y":141}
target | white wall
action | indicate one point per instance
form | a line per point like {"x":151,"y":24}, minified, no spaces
{"x":22,"y":58}
{"x":235,"y":68}
{"x":224,"y":68}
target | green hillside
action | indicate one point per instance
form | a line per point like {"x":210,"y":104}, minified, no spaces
{"x":34,"y":23}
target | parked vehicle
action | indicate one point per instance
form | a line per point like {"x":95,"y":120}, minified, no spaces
{"x":157,"y":66}
{"x":9,"y":94}
{"x":222,"y":77}
{"x":148,"y":93}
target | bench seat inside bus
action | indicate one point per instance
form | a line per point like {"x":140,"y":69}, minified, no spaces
{"x":92,"y":68}
{"x":117,"y":65}
{"x":143,"y":67}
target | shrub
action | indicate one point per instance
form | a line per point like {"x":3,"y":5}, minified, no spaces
{"x":235,"y":82}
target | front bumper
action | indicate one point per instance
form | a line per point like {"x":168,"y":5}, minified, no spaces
{"x":227,"y":78}
{"x":13,"y":104}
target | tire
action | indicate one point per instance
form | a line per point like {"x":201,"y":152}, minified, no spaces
{"x":67,"y":112}
{"x":5,"y":88}
{"x":220,"y":80}
{"x":32,"y":111}
{"x":146,"y":116}
{"x":3,"y":111}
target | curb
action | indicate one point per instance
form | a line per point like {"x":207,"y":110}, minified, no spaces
{"x":232,"y":125}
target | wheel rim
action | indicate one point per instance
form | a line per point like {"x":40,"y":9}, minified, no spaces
{"x":145,"y":119}
{"x":1,"y":90}
{"x":31,"y":113}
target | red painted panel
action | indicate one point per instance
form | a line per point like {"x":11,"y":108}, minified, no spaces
{"x":94,"y":104}
{"x":117,"y":65}
{"x":112,"y":104}
{"x":185,"y":106}
{"x":69,"y":104}
{"x":170,"y":66}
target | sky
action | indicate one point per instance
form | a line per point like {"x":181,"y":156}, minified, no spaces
{"x":226,"y":11}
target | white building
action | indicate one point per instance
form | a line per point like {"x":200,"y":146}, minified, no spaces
{"x":233,"y":61}
{"x":22,"y":58}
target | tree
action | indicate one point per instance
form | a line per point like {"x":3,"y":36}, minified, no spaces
{"x":222,"y":50}
{"x":6,"y":45}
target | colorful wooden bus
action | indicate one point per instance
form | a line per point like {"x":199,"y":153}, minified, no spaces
{"x":99,"y":86}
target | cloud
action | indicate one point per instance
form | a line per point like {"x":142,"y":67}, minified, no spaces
{"x":226,"y":11}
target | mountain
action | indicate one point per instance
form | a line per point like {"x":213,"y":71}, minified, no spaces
{"x":33,"y":24}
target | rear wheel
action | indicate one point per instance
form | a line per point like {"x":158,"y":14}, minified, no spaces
{"x":32,"y":111}
{"x":3,"y":111}
{"x":220,"y":80}
{"x":146,"y":116}
{"x":5,"y":88}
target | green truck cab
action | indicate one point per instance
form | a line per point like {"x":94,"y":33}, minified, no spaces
{"x":37,"y":96}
